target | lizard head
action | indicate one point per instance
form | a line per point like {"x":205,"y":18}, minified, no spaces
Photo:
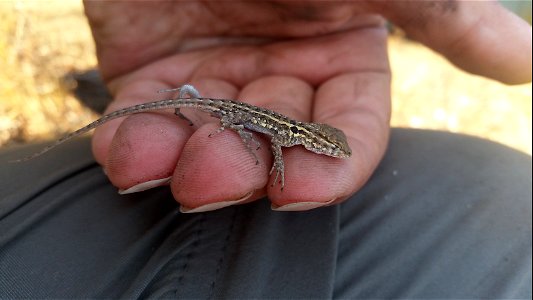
{"x":327,"y":140}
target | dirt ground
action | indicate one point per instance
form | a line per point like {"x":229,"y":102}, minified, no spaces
{"x":40,"y":42}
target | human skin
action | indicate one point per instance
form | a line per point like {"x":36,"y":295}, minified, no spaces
{"x":312,"y":61}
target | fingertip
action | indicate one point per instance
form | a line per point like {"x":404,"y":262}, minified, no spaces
{"x":313,"y":179}
{"x":145,"y":147}
{"x":217,"y":169}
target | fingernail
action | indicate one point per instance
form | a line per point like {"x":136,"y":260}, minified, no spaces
{"x":300,"y":206}
{"x":145,"y":186}
{"x":214,"y":206}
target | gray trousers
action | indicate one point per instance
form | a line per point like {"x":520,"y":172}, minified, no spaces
{"x":444,"y":216}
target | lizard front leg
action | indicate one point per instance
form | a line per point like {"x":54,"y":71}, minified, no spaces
{"x":278,"y":164}
{"x":246,"y":137}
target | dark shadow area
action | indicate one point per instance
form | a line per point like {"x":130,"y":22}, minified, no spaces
{"x":89,"y":88}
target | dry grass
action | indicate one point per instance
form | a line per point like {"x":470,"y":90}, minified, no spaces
{"x":429,"y":92}
{"x":42,"y":41}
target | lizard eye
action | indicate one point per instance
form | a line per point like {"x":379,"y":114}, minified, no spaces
{"x":294,"y":129}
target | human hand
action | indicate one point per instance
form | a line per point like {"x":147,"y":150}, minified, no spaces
{"x":318,"y":62}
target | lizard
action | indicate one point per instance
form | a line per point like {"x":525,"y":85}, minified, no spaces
{"x":241,"y":118}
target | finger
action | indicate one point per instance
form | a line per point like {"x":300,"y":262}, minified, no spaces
{"x":480,"y":37}
{"x":145,"y":147}
{"x":287,"y":95}
{"x":361,"y":109}
{"x":217,"y":170}
{"x":311,"y":179}
{"x":137,"y":87}
{"x":135,"y":92}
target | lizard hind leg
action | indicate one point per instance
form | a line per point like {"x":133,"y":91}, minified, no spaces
{"x":184,"y":90}
{"x":178,"y":113}
{"x":190,"y":90}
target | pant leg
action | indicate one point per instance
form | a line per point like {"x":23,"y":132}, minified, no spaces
{"x":65,"y":232}
{"x":444,"y":216}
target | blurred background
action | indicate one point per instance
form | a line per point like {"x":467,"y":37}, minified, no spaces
{"x":46,"y":49}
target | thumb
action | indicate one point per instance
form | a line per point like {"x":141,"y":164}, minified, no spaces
{"x":480,"y":37}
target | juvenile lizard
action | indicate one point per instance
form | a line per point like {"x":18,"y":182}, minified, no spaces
{"x":238,"y":116}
